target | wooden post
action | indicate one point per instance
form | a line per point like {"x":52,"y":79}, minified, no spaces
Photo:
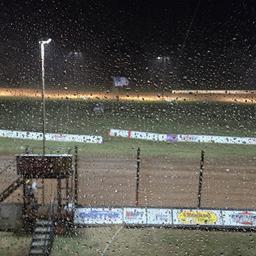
{"x":27,"y":149}
{"x":76,"y":177}
{"x":200,"y":184}
{"x":67,"y":191}
{"x":59,"y":195}
{"x":137,"y":177}
{"x":43,"y":190}
{"x":24,"y":196}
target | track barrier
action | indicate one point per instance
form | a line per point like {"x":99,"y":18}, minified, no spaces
{"x":181,"y":137}
{"x":169,"y":217}
{"x":51,"y":136}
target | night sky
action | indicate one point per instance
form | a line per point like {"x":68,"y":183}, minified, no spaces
{"x":201,"y":44}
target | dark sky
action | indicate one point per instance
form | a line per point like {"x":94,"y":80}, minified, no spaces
{"x":74,"y":22}
{"x":201,"y":38}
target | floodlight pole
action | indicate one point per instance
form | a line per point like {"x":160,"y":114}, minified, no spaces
{"x":42,"y":44}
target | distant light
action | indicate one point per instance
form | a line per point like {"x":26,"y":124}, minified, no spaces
{"x":48,"y":41}
{"x":45,"y":41}
{"x":163,"y":59}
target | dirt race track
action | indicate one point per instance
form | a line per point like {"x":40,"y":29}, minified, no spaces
{"x":164,"y":182}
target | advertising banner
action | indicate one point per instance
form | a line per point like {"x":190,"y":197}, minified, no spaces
{"x":51,"y":136}
{"x":135,"y":216}
{"x":197,"y":217}
{"x":239,"y":218}
{"x":138,"y":135}
{"x":159,"y":216}
{"x":215,"y":139}
{"x":119,"y":133}
{"x":87,"y":216}
{"x":148,"y":136}
{"x":182,"y":137}
{"x":74,"y":137}
{"x":171,"y":138}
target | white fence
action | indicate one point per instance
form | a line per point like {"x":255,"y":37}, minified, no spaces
{"x":51,"y":136}
{"x":182,"y":137}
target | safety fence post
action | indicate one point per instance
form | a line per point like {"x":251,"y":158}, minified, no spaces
{"x":76,"y":177}
{"x":137,"y":177}
{"x":200,"y":184}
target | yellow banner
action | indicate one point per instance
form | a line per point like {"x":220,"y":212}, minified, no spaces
{"x":197,"y":217}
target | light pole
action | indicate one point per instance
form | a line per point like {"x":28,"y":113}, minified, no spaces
{"x":42,"y":44}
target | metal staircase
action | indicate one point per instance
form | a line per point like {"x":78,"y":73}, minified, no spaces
{"x":42,"y":239}
{"x":10,"y":189}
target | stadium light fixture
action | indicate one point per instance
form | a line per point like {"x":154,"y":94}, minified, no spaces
{"x":42,"y":46}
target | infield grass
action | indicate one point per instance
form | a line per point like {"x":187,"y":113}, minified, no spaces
{"x":118,"y":146}
{"x":188,"y":118}
{"x":12,"y":244}
{"x":77,"y":117}
{"x":154,"y":241}
{"x":145,"y":241}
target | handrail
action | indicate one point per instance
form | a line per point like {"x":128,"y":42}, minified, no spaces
{"x":7,"y":167}
{"x":10,"y":189}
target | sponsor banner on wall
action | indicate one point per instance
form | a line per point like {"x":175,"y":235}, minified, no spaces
{"x":135,"y":216}
{"x":138,"y":135}
{"x":119,"y":133}
{"x":239,"y":218}
{"x":165,"y":217}
{"x":159,"y":216}
{"x":88,"y":216}
{"x":171,"y":138}
{"x":196,"y":217}
{"x":215,"y":139}
{"x":74,"y":138}
{"x":51,"y":136}
{"x":148,"y":136}
{"x":182,"y":137}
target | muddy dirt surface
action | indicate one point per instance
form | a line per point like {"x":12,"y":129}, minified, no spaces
{"x":164,"y":182}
